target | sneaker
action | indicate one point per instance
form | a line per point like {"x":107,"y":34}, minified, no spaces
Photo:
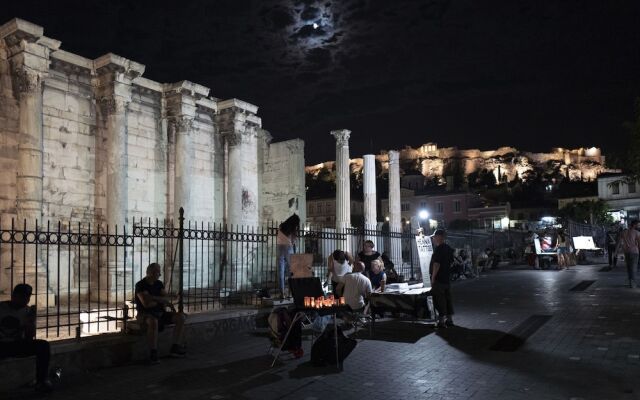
{"x":153,"y":358}
{"x":177,"y":351}
{"x":449,"y":323}
{"x":44,"y":387}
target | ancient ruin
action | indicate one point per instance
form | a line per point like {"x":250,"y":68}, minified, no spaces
{"x":506,"y":163}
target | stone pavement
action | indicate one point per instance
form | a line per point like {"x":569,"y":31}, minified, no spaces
{"x":588,"y":349}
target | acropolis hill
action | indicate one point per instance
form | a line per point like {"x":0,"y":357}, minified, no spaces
{"x":434,"y":162}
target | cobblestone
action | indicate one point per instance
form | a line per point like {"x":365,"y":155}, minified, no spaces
{"x":589,"y":349}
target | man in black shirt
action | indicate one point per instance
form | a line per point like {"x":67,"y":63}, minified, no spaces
{"x":151,"y":303}
{"x":440,"y":269}
{"x":18,"y":331}
{"x":367,"y":255}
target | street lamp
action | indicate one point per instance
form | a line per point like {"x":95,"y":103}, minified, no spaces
{"x":424,"y":216}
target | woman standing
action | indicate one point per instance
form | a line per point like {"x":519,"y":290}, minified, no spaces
{"x":562,"y":247}
{"x":286,"y":241}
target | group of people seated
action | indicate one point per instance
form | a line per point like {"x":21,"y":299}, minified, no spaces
{"x":355,"y":279}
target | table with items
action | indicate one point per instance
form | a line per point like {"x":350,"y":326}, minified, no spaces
{"x":414,"y":300}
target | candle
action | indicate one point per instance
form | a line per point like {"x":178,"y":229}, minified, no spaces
{"x":312,"y":302}
{"x":342,"y":301}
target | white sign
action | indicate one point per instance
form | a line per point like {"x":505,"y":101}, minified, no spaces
{"x":584,"y":243}
{"x":425,"y":251}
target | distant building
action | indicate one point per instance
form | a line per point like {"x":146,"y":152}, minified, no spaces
{"x":322,"y":212}
{"x":449,"y":208}
{"x":622,"y":197}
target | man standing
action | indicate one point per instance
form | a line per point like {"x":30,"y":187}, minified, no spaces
{"x":151,"y":301}
{"x":630,"y":243}
{"x":612,"y":241}
{"x":18,"y":331}
{"x":440,"y":269}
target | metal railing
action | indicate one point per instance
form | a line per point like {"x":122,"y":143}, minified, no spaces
{"x":84,"y":275}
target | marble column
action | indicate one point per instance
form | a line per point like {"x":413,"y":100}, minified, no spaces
{"x":343,"y":186}
{"x":370,"y":215}
{"x":240,"y":127}
{"x":181,"y":109}
{"x":395,"y":224}
{"x":112,"y":88}
{"x":28,"y":53}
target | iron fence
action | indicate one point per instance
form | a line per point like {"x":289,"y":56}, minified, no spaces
{"x":84,"y":275}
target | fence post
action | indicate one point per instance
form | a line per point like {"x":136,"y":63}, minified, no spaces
{"x":181,"y":260}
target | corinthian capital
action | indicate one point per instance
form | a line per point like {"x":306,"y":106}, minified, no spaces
{"x":182,"y":123}
{"x":110,"y":105}
{"x":26,"y":81}
{"x":342,"y":136}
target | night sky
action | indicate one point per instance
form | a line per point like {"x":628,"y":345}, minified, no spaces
{"x":530,"y":74}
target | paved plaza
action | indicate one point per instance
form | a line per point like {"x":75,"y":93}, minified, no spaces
{"x":587,"y":347}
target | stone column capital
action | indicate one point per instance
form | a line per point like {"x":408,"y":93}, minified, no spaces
{"x":112,"y":105}
{"x":238,"y":137}
{"x":342,"y":136}
{"x":26,"y":81}
{"x":182,"y":123}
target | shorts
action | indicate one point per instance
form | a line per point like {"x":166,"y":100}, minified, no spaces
{"x":164,"y":318}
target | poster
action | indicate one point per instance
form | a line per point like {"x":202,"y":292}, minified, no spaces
{"x":425,"y":250}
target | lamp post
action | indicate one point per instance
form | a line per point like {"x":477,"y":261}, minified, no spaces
{"x":424,"y":216}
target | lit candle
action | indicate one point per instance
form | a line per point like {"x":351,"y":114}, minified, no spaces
{"x":342,"y":301}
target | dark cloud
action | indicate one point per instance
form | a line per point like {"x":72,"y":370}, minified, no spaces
{"x":529,"y":74}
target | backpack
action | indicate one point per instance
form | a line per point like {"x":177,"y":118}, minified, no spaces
{"x":323,"y":351}
{"x":279,"y":322}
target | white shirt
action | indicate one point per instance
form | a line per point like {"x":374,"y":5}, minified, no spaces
{"x":356,"y":288}
{"x":340,"y":270}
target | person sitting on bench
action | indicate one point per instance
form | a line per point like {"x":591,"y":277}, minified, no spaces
{"x":151,"y":300}
{"x":18,"y":331}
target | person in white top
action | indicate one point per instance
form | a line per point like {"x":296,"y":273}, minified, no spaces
{"x":338,"y":264}
{"x":357,"y":287}
{"x":285,"y":247}
{"x":629,"y":243}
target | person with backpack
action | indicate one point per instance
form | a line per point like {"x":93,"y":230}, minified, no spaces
{"x":629,"y":243}
{"x":440,"y":270}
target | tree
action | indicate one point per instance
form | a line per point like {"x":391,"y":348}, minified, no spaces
{"x":588,"y":212}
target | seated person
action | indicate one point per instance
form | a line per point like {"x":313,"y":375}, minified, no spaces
{"x":339,"y":264}
{"x":389,"y":268}
{"x":18,"y":331}
{"x":151,"y":300}
{"x":367,"y":255}
{"x":377,"y":276}
{"x":357,"y":287}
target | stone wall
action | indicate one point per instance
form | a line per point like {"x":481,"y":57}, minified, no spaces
{"x":283,"y":186}
{"x":87,"y":141}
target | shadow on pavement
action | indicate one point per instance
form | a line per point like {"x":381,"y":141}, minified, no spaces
{"x":308,"y":370}
{"x":573,"y":377}
{"x":395,"y":331}
{"x":230,"y":379}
